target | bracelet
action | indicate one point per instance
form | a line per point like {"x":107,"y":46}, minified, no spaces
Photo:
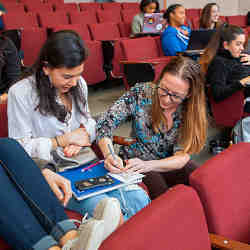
{"x":57,"y":142}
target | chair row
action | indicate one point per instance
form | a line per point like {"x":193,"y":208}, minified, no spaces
{"x":211,"y":213}
{"x":15,"y":20}
{"x":30,"y":5}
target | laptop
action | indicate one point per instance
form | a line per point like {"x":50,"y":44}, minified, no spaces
{"x":153,"y":23}
{"x":198,"y":41}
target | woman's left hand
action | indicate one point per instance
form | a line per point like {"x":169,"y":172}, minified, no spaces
{"x":245,"y":59}
{"x":139,"y":166}
{"x":71,"y":150}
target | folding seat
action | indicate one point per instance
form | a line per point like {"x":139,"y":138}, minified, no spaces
{"x":81,"y":29}
{"x":14,"y":7}
{"x":38,"y":7}
{"x":128,"y":15}
{"x":49,"y":19}
{"x":115,"y":6}
{"x":93,"y":66}
{"x":192,"y":13}
{"x":83,"y":17}
{"x":227,"y":112}
{"x":54,"y":2}
{"x":173,"y":221}
{"x":89,"y":6}
{"x":195,"y":23}
{"x":31,"y":42}
{"x":108,"y":16}
{"x":143,"y":60}
{"x":133,"y":6}
{"x":66,"y":7}
{"x":223,"y":184}
{"x":239,"y":20}
{"x":18,"y":20}
{"x":125,"y":29}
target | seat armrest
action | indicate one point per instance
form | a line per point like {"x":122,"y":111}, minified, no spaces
{"x":222,"y":242}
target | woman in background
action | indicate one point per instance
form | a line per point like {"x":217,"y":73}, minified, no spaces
{"x":146,"y":6}
{"x":176,"y":36}
{"x":210,"y":16}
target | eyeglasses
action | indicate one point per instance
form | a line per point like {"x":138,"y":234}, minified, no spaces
{"x":173,"y":97}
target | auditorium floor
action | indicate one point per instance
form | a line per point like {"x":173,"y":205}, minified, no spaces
{"x":102,"y":98}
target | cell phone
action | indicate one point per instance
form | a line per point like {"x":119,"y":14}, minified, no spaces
{"x":85,"y":184}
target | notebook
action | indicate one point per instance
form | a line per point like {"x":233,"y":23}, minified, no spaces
{"x":198,"y":41}
{"x":88,"y":171}
{"x":153,"y":23}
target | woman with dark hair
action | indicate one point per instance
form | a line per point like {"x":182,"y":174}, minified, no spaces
{"x":165,"y":124}
{"x":49,"y":109}
{"x":210,"y":16}
{"x":146,"y":6}
{"x":176,"y":36}
{"x":10,"y":66}
{"x":227,"y":69}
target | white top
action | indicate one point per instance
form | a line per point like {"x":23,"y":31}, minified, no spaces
{"x":34,"y":130}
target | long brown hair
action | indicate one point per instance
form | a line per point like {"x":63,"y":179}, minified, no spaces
{"x":206,"y":16}
{"x":225,"y":33}
{"x":193,"y":129}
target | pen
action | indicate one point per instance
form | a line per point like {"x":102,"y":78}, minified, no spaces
{"x":111,"y":151}
{"x":91,"y":166}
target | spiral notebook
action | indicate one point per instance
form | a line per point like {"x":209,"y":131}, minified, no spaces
{"x":89,"y":171}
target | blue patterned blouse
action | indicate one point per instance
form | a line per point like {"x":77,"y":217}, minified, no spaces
{"x":135,"y":106}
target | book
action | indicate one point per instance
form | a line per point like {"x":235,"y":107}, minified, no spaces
{"x":88,"y":171}
{"x":62,"y":162}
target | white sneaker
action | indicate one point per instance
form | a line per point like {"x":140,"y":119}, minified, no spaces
{"x":109,"y":211}
{"x":90,"y":236}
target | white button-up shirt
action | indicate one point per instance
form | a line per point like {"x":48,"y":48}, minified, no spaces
{"x":34,"y":130}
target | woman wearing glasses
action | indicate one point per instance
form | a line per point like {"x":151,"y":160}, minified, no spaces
{"x":168,"y":122}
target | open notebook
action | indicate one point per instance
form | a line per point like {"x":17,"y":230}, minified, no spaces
{"x":88,"y":173}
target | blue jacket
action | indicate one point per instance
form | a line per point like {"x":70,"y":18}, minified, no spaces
{"x":173,"y":41}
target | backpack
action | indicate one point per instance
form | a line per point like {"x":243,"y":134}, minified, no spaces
{"x":241,"y":131}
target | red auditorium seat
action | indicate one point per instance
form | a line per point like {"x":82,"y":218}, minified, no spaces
{"x":128,"y":15}
{"x":143,"y":60}
{"x":89,"y":6}
{"x":93,"y":67}
{"x":81,"y":29}
{"x":227,"y":112}
{"x":115,"y":6}
{"x":49,"y":19}
{"x":108,"y":16}
{"x":133,"y":6}
{"x":125,"y":29}
{"x":195,"y":21}
{"x":66,"y":7}
{"x":38,"y":6}
{"x":4,"y":122}
{"x":193,"y":13}
{"x":54,"y":2}
{"x":31,"y":42}
{"x":83,"y":17}
{"x":14,"y":7}
{"x":222,"y":184}
{"x":239,"y":20}
{"x":18,"y":20}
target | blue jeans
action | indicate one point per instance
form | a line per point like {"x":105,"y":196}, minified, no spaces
{"x":31,"y":216}
{"x":132,"y":199}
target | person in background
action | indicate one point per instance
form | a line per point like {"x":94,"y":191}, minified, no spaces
{"x":10,"y":66}
{"x":176,"y":36}
{"x":168,"y":123}
{"x":146,"y":6}
{"x":32,"y":216}
{"x":48,"y":109}
{"x":210,"y":16}
{"x":2,"y":12}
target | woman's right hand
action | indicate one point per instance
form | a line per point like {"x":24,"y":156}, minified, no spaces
{"x":245,"y":81}
{"x":114,"y":165}
{"x":79,"y":137}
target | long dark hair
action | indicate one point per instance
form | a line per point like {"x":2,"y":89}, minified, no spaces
{"x":170,"y":10}
{"x":62,"y":49}
{"x":145,"y":3}
{"x":206,"y":15}
{"x":225,"y":33}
